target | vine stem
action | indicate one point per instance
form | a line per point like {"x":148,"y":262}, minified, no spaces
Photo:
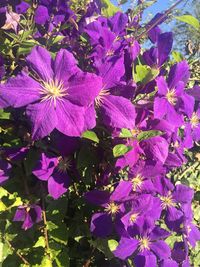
{"x":45,"y":226}
{"x":17,"y":253}
{"x":166,"y":13}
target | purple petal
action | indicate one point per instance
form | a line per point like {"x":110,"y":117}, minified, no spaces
{"x":90,"y":118}
{"x":98,"y":197}
{"x":161,"y":249}
{"x":162,"y":85}
{"x":58,"y":184}
{"x":41,"y":62}
{"x":158,"y":111}
{"x":101,"y":224}
{"x":45,"y":167}
{"x":43,"y":118}
{"x":111,"y":72}
{"x":41,"y":15}
{"x":164,"y":45}
{"x":159,"y":233}
{"x":178,"y":72}
{"x":20,"y":91}
{"x":121,"y":191}
{"x":65,"y":65}
{"x":183,"y":193}
{"x":145,"y":259}
{"x":118,"y":112}
{"x":169,"y":263}
{"x":84,"y":88}
{"x":70,"y":118}
{"x":19,"y":214}
{"x":126,"y":248}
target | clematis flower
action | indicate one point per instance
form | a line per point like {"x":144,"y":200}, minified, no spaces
{"x":57,"y":96}
{"x":171,"y":96}
{"x":29,"y":215}
{"x":5,"y":170}
{"x":112,"y":204}
{"x":54,"y":171}
{"x":149,"y":246}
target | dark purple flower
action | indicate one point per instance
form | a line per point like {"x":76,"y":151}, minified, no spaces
{"x":29,"y":215}
{"x":54,"y":171}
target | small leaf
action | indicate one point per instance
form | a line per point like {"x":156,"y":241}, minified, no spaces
{"x":91,"y":136}
{"x":108,"y":8}
{"x":125,"y":133}
{"x":144,"y":74}
{"x":189,"y":19}
{"x":178,"y":57}
{"x":148,"y":134}
{"x":46,"y":262}
{"x":40,"y":242}
{"x":112,"y":244}
{"x":120,"y":150}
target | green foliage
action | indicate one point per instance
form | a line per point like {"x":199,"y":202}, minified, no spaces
{"x":144,"y":74}
{"x":108,"y":8}
{"x":191,"y":20}
{"x":120,"y":150}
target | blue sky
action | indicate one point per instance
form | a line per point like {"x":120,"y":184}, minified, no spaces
{"x":159,"y":6}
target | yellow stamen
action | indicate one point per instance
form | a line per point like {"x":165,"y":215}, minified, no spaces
{"x":110,"y":53}
{"x":171,"y":97}
{"x":137,"y":182}
{"x":112,"y":208}
{"x":195,"y":120}
{"x":99,"y":99}
{"x":133,"y":217}
{"x":64,"y":165}
{"x":167,"y":201}
{"x":52,"y":90}
{"x":144,"y":243}
{"x":135,"y":131}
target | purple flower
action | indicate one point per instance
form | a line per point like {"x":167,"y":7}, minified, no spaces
{"x":54,"y":171}
{"x":29,"y":215}
{"x":12,"y":20}
{"x":57,"y":96}
{"x":5,"y":170}
{"x":171,"y":96}
{"x":149,"y":246}
{"x":112,"y":204}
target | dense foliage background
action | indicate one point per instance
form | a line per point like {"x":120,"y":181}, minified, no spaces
{"x":58,"y":174}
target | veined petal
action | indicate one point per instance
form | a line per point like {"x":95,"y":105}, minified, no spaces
{"x":43,"y":119}
{"x":126,"y":248}
{"x":118,"y":112}
{"x":65,"y":65}
{"x":178,"y":72}
{"x":70,"y":118}
{"x":101,"y":224}
{"x":84,"y":88}
{"x":20,"y":91}
{"x":162,"y":85}
{"x":40,"y":61}
{"x":161,"y":249}
{"x":58,"y":184}
{"x":164,"y":45}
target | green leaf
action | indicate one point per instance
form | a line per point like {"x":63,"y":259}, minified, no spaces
{"x":112,"y":244}
{"x":26,"y":47}
{"x":56,"y":39}
{"x":91,"y":136}
{"x":46,"y":262}
{"x":144,"y":74}
{"x":189,"y":19}
{"x":148,"y":134}
{"x":40,"y":242}
{"x":125,"y":133}
{"x":108,"y":8}
{"x":178,"y":57}
{"x":120,"y":150}
{"x":4,"y":115}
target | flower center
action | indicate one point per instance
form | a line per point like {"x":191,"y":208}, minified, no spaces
{"x":137,"y":182}
{"x":110,"y":52}
{"x":171,"y":97}
{"x":52,"y":90}
{"x":64,"y":165}
{"x":99,"y":99}
{"x":135,"y":131}
{"x":133,"y":217}
{"x":167,"y":201}
{"x":144,"y":243}
{"x":194,"y":120}
{"x":112,"y":208}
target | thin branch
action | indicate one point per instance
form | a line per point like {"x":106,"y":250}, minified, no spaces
{"x":17,"y":253}
{"x":167,"y":12}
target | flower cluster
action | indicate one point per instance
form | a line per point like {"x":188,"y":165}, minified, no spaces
{"x":99,"y":84}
